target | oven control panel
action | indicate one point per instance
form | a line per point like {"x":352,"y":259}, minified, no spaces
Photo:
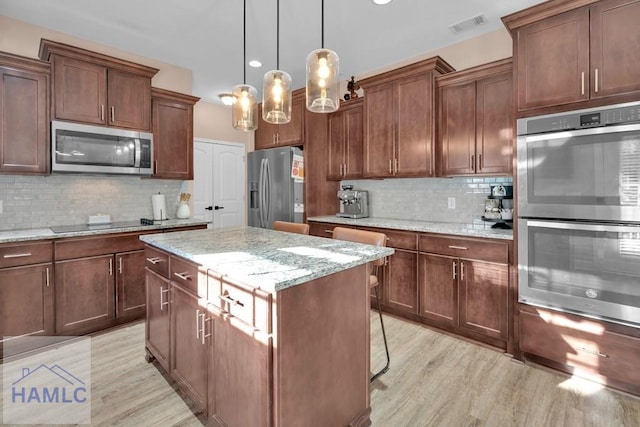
{"x":594,"y":117}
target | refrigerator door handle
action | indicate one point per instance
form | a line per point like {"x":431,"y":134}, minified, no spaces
{"x":268,"y":193}
{"x":261,"y":180}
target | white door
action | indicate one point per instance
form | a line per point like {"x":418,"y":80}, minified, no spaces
{"x":219,"y":183}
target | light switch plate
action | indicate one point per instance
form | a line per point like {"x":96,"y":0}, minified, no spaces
{"x":0,"y":206}
{"x":452,"y":203}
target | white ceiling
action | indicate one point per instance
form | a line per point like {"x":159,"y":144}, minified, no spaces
{"x":206,"y":35}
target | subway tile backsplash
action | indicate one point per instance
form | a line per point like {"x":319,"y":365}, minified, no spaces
{"x":43,"y":201}
{"x":426,"y":199}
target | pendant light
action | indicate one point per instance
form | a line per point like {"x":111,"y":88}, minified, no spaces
{"x":322,"y":78}
{"x":276,"y":87}
{"x":245,"y":110}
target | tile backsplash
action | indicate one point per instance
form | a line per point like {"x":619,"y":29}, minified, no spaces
{"x":43,"y":201}
{"x":426,"y":199}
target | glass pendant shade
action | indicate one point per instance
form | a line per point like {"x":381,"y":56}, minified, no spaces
{"x":322,"y":81}
{"x":245,"y":110}
{"x":276,"y":97}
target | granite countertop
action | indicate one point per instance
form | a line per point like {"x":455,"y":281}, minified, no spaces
{"x":266,"y":259}
{"x":46,"y":233}
{"x":419,"y":226}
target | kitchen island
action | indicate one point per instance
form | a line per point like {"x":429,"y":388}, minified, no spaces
{"x":260,"y":327}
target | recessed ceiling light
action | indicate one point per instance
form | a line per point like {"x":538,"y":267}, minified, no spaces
{"x":255,"y":63}
{"x":381,"y":2}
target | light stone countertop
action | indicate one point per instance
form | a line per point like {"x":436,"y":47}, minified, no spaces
{"x":46,"y":233}
{"x":266,"y":259}
{"x":419,"y":226}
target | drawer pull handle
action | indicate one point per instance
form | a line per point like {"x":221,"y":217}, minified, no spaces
{"x":230,"y":300}
{"x":198,"y":324}
{"x":155,"y":260}
{"x":462,"y":248}
{"x":203,"y":331}
{"x":455,"y":266}
{"x":461,"y":270}
{"x":47,"y":277}
{"x":17,"y":255}
{"x":328,"y":231}
{"x":595,"y":352}
{"x":183,"y":276}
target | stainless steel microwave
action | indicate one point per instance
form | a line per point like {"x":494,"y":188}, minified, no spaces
{"x":79,"y":148}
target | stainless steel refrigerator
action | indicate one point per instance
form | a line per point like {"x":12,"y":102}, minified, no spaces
{"x":276,"y":186}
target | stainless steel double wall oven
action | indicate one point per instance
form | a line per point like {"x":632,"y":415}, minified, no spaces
{"x":579,"y":212}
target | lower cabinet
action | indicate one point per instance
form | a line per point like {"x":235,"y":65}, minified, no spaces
{"x":130,"y":295}
{"x":438,"y":289}
{"x":400,"y":281}
{"x":157,"y":326}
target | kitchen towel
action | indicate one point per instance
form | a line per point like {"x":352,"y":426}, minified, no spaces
{"x":159,"y":207}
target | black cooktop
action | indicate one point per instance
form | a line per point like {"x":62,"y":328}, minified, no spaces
{"x":87,"y":227}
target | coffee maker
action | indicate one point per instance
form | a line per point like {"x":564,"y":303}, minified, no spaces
{"x":353,"y":203}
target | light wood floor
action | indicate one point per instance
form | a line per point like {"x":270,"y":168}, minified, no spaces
{"x":434,"y":380}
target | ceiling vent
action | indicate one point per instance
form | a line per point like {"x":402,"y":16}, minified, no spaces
{"x":467,"y":24}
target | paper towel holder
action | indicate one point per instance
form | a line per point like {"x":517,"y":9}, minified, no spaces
{"x":159,"y":207}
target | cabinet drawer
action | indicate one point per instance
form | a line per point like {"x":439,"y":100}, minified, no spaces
{"x":80,"y":247}
{"x":252,"y":306}
{"x":323,"y":229}
{"x":397,"y":239}
{"x":17,"y":254}
{"x":157,"y":260}
{"x":582,"y":344}
{"x":484,"y":250}
{"x":186,"y":275}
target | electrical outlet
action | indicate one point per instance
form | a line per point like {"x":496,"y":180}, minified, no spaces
{"x":0,"y":206}
{"x":452,"y":203}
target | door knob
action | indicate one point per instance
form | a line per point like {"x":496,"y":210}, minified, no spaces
{"x":208,"y":208}
{"x":219,"y":207}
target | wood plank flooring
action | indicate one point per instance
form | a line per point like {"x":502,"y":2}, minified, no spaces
{"x":434,"y":380}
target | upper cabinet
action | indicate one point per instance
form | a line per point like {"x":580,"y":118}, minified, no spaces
{"x":345,"y":141}
{"x":269,"y":135}
{"x":399,"y":124}
{"x":576,"y":51}
{"x":476,"y":120}
{"x":24,"y":115}
{"x":93,"y":88}
{"x":172,"y":134}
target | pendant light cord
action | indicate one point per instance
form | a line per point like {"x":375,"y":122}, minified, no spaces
{"x":322,"y":32}
{"x":244,"y":41}
{"x":278,"y":35}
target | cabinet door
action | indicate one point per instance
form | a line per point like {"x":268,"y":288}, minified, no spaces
{"x":130,"y":295}
{"x":239,"y":374}
{"x":84,"y":294}
{"x":157,"y":325}
{"x":337,"y":145}
{"x":438,"y":288}
{"x":614,"y":47}
{"x":173,"y":139}
{"x":379,"y":131}
{"x":26,"y":301}
{"x":494,"y":124}
{"x":483,"y":298}
{"x":188,"y":347}
{"x":401,"y":281}
{"x":458,"y":128}
{"x":80,"y":91}
{"x":292,"y":133}
{"x":24,"y":122}
{"x":265,"y":135}
{"x":552,"y":57}
{"x":129,"y":98}
{"x":415,"y":119}
{"x":354,"y":136}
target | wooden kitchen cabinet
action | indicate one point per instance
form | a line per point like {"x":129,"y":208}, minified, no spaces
{"x":399,"y":124}
{"x":345,"y":141}
{"x":400,"y":287}
{"x":569,"y":52}
{"x":601,"y":351}
{"x":172,"y":134}
{"x":463,"y":286}
{"x":269,"y":135}
{"x":26,"y":293}
{"x":130,"y":290}
{"x":158,"y":321}
{"x":476,"y":120}
{"x":24,"y":115}
{"x":189,"y":343}
{"x":93,"y":88}
{"x":85,"y":290}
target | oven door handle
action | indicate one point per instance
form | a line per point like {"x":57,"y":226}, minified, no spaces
{"x":602,"y":130}
{"x":584,"y":226}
